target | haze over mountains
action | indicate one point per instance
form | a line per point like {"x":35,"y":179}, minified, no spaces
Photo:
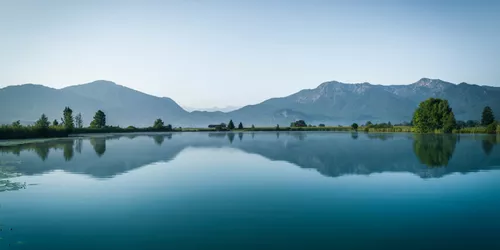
{"x":330,"y":103}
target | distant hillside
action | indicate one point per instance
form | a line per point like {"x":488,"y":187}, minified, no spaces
{"x":336,"y":102}
{"x":331,"y":103}
{"x":213,"y":109}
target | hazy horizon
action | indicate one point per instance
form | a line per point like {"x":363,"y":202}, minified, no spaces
{"x":204,"y":54}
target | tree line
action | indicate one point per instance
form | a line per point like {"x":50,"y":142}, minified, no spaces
{"x":436,"y":115}
{"x":68,"y":124}
{"x":432,"y":115}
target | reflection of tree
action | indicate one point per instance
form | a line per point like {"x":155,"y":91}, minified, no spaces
{"x":158,"y":139}
{"x":99,"y":145}
{"x":230,"y":136}
{"x":68,"y":150}
{"x":489,"y":142}
{"x":42,"y":150}
{"x":277,"y":135}
{"x":169,"y":136}
{"x":382,"y":137}
{"x":434,"y":150}
{"x":78,"y":146}
{"x":298,"y":135}
{"x":354,"y":135}
{"x":217,"y":135}
{"x":240,"y":135}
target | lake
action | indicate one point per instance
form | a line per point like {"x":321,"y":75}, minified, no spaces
{"x":265,"y":190}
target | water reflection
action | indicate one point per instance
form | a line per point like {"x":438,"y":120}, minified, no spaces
{"x":488,"y":143}
{"x":331,"y":154}
{"x":158,"y":139}
{"x":434,"y":151}
{"x":78,"y":146}
{"x":68,"y":150}
{"x":99,"y":145}
{"x":354,"y":135}
{"x":380,"y":136}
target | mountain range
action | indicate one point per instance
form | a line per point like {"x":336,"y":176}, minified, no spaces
{"x":331,"y":103}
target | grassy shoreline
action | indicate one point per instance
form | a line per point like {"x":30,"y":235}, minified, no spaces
{"x":54,"y":133}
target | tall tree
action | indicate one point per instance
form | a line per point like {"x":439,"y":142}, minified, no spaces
{"x":99,"y":120}
{"x":434,"y":114}
{"x":230,"y":125}
{"x":42,"y":123}
{"x":55,"y":123}
{"x":240,"y":126}
{"x":487,"y":118}
{"x":299,"y":123}
{"x":354,"y":126}
{"x":449,"y":123}
{"x":78,"y":121}
{"x":158,"y":124}
{"x":68,"y":119}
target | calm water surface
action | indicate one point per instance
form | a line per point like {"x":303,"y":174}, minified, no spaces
{"x":252,"y":191}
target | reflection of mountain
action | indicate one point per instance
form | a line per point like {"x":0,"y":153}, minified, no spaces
{"x":331,"y":154}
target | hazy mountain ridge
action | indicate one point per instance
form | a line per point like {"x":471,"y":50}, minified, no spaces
{"x":331,"y":103}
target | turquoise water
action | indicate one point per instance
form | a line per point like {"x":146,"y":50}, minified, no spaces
{"x":310,"y":190}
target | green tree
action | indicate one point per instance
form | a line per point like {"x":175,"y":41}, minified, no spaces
{"x":354,"y":126}
{"x":55,"y":123}
{"x":230,"y":125}
{"x":277,"y":127}
{"x":16,"y":124}
{"x":158,"y":124}
{"x":487,"y":118}
{"x":68,"y":119}
{"x":491,"y":128}
{"x":299,"y":123}
{"x":240,"y":126}
{"x":42,"y":123}
{"x":78,"y":121}
{"x":449,"y":123}
{"x":99,"y":120}
{"x":434,"y":114}
{"x":368,"y":123}
{"x":253,"y":127}
{"x":471,"y":123}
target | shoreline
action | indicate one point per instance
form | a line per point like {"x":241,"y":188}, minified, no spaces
{"x":118,"y":132}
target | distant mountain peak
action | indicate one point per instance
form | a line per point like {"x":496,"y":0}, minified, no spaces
{"x":103,"y":82}
{"x":428,"y":82}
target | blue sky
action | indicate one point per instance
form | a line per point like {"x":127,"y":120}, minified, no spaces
{"x":220,"y":53}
